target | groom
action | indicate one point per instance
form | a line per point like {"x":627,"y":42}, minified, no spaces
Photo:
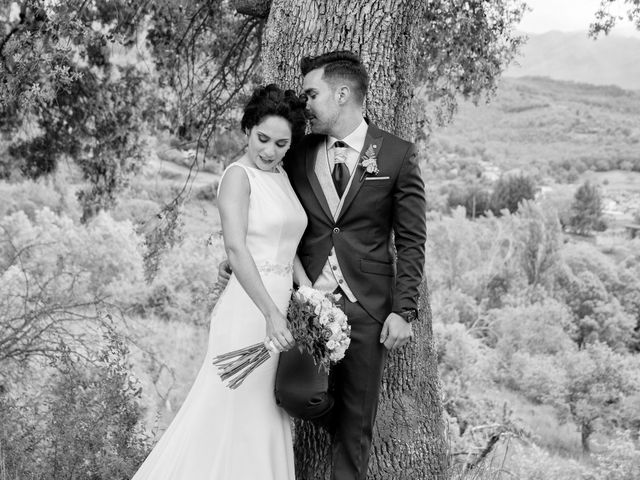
{"x":363,"y":193}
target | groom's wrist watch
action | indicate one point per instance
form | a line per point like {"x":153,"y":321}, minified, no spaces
{"x":409,"y":314}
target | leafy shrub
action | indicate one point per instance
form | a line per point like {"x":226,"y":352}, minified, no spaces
{"x":582,"y":257}
{"x":136,"y":210}
{"x":475,"y":199}
{"x":509,"y":191}
{"x":598,"y":316}
{"x":207,"y":193}
{"x":467,"y":255}
{"x":587,"y":210}
{"x":598,"y":380}
{"x":531,"y":462}
{"x":539,"y":237}
{"x":83,"y":425}
{"x":56,"y":275}
{"x":463,"y":363}
{"x":539,"y":377}
{"x":617,"y":458}
{"x":459,"y":354}
{"x":30,"y":196}
{"x":539,"y":329}
{"x":185,"y":281}
{"x":454,"y":306}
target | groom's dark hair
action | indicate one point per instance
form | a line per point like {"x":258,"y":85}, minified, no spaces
{"x":343,"y":65}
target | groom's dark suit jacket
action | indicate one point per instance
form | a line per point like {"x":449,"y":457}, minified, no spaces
{"x":374,"y":207}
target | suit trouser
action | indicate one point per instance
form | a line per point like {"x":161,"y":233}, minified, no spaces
{"x":346,"y":403}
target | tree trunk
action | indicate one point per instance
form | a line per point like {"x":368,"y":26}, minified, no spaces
{"x":409,"y":441}
{"x":585,"y":432}
{"x":382,"y":32}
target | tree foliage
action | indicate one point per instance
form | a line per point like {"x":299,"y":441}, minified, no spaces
{"x":587,"y":210}
{"x":463,"y":49}
{"x":597,"y":382}
{"x":87,"y":81}
{"x":475,"y":199}
{"x":606,"y":20}
{"x":84,"y":422}
{"x":540,"y":237}
{"x":65,"y":98}
{"x":56,"y":280}
{"x":509,"y":191}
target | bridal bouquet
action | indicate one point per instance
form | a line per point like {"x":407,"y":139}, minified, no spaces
{"x":318,"y":326}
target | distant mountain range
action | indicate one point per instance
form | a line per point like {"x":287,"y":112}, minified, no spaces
{"x":612,"y":60}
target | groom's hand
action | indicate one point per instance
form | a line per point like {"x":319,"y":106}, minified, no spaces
{"x":396,"y":331}
{"x":224,"y":273}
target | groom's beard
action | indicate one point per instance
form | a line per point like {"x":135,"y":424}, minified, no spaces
{"x":322,"y":127}
{"x":323,"y":119}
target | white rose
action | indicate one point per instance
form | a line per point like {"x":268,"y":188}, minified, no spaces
{"x":338,"y":353}
{"x":340,"y":316}
{"x":335,"y":328}
{"x":305,"y":292}
{"x":316,"y":296}
{"x":324,"y":319}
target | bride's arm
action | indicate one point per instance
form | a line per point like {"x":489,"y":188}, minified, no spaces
{"x":233,"y":203}
{"x":300,"y":277}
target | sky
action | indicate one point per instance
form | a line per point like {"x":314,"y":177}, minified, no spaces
{"x":568,"y":16}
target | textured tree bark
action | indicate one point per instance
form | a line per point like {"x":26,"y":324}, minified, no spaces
{"x":383,"y":32}
{"x":409,"y":441}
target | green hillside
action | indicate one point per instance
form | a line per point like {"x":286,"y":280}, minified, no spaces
{"x":545,"y":127}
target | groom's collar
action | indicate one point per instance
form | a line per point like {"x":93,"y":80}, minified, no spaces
{"x":355,"y":139}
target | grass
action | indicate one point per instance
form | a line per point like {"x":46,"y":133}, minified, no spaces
{"x":542,"y":422}
{"x":166,"y":357}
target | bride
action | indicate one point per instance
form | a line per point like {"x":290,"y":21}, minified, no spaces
{"x":241,"y":434}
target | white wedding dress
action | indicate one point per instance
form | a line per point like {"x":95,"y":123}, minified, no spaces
{"x":224,"y":434}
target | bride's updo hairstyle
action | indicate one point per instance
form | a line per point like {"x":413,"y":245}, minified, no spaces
{"x":273,"y":101}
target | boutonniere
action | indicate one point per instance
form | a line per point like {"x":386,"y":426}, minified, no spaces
{"x":369,"y":162}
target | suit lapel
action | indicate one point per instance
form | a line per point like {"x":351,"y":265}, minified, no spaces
{"x":374,"y":137}
{"x":310,"y":161}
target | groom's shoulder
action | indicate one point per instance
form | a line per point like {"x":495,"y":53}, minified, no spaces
{"x":394,"y":142}
{"x":310,"y":140}
{"x":298,"y":152}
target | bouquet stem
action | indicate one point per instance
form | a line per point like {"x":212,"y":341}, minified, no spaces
{"x":235,"y":366}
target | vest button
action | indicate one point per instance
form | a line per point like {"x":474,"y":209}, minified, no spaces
{"x":336,"y":230}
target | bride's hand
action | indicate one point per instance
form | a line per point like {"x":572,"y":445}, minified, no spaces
{"x":278,"y":333}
